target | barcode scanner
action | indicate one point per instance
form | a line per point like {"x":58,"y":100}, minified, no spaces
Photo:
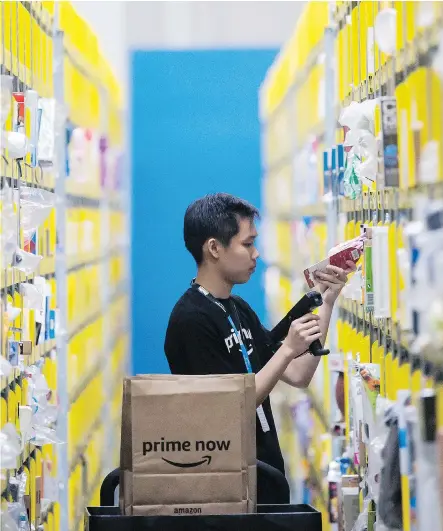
{"x":306,"y":304}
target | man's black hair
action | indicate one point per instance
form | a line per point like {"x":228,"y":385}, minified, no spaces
{"x":214,"y":216}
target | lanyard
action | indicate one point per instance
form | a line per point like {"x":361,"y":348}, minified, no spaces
{"x":242,"y":346}
{"x":260,"y":411}
{"x":244,"y":352}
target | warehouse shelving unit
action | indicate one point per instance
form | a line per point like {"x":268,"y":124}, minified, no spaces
{"x":49,"y":48}
{"x":331,"y":60}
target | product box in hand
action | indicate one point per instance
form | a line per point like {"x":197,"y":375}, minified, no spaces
{"x":188,"y":445}
{"x":350,"y":250}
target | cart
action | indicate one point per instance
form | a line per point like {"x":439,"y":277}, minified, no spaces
{"x":286,"y":517}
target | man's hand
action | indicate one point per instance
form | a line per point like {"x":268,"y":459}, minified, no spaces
{"x":302,"y":333}
{"x":331,"y":283}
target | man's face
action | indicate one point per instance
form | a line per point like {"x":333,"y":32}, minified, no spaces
{"x":237,"y":262}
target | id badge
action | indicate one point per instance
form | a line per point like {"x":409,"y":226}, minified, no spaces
{"x":263,"y":420}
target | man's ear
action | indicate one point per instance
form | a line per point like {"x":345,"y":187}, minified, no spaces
{"x":213,"y":248}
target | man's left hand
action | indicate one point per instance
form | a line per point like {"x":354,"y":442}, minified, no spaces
{"x":331,"y":282}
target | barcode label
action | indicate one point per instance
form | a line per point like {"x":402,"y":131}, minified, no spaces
{"x":263,"y":420}
{"x":369,"y":302}
{"x":355,"y":254}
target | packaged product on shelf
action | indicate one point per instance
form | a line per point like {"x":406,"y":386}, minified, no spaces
{"x":408,"y":452}
{"x":381,"y":273}
{"x":377,"y":442}
{"x":8,"y":226}
{"x":34,"y":113}
{"x":35,"y":206}
{"x":349,"y":251}
{"x":10,"y":447}
{"x":349,"y":502}
{"x":78,"y":153}
{"x":334,"y":479}
{"x":5,"y":97}
{"x":440,"y":467}
{"x":7,"y":520}
{"x":370,"y":387}
{"x":386,"y":30}
{"x":360,"y":145}
{"x":26,"y":262}
{"x":390,"y":174}
{"x":437,"y":63}
{"x":356,"y":415}
{"x":16,"y":143}
{"x":426,"y":456}
{"x":368,"y":277}
{"x":12,"y":312}
{"x":18,"y":507}
{"x":389,"y":507}
{"x":370,"y":374}
{"x":352,"y":185}
{"x":33,"y":298}
{"x":366,"y":148}
{"x":425,"y":14}
{"x":44,"y":412}
{"x":362,"y":523}
{"x":355,"y":287}
{"x":46,"y":132}
{"x":181,"y":453}
{"x":5,"y":367}
{"x":358,"y":116}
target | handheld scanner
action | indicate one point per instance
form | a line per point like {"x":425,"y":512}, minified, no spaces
{"x":306,"y":304}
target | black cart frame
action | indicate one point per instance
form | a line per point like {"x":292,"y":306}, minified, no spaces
{"x":285,"y":517}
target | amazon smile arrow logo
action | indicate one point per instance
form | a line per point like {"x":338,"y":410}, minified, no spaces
{"x":206,"y":459}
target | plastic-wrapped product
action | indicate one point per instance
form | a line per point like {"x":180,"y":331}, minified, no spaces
{"x":359,"y":116}
{"x":352,"y":186}
{"x":386,"y":30}
{"x":5,"y":367}
{"x":26,"y":262}
{"x":389,"y":508}
{"x":46,"y":136}
{"x":426,"y":472}
{"x":357,"y":414}
{"x":9,"y":446}
{"x":8,"y":226}
{"x":437,"y":63}
{"x":33,"y":298}
{"x":44,"y":414}
{"x":370,"y":380}
{"x":35,"y":206}
{"x":16,"y":143}
{"x":8,"y":523}
{"x":5,"y":98}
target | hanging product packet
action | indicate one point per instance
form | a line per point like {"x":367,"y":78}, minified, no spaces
{"x":389,"y":507}
{"x":370,"y":375}
{"x":6,"y":83}
{"x":8,"y":226}
{"x":35,"y":206}
{"x":10,"y":447}
{"x":352,"y":186}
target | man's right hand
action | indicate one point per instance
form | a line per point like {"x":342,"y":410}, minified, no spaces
{"x":302,"y":333}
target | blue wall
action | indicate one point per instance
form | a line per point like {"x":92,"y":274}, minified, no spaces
{"x":195,"y":130}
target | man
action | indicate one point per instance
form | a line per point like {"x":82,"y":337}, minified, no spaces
{"x":212,"y":332}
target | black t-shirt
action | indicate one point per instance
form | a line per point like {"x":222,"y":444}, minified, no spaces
{"x":200,"y":340}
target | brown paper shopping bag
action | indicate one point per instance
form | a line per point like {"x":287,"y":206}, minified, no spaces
{"x":188,"y":441}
